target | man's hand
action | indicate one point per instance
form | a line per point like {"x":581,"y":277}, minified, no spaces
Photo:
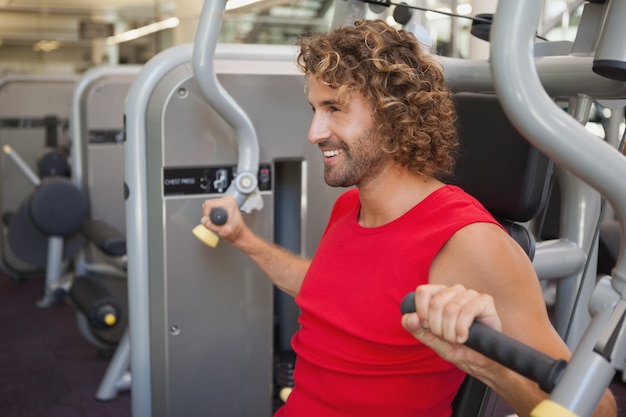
{"x":234,"y":226}
{"x":442,"y":320}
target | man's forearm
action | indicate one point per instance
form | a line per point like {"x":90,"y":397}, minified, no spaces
{"x":285,"y":269}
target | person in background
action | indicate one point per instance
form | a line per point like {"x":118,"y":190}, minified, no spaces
{"x":384,"y":123}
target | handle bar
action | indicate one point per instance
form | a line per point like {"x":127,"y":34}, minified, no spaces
{"x":521,"y":358}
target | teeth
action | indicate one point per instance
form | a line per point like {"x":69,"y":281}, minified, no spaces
{"x":331,"y":153}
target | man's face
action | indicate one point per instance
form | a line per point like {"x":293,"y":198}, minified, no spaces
{"x":345,"y":134}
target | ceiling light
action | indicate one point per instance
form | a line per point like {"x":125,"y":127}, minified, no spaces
{"x":46,"y":46}
{"x":130,"y":35}
{"x":464,"y":9}
{"x":236,"y":4}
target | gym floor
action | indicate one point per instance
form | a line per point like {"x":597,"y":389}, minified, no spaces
{"x":48,"y":369}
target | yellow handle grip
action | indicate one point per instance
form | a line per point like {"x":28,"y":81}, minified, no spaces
{"x":206,"y":236}
{"x":548,"y":408}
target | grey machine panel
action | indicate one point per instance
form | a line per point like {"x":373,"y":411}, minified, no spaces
{"x":211,"y":310}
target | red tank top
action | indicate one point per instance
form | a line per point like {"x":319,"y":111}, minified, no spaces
{"x":353,"y":356}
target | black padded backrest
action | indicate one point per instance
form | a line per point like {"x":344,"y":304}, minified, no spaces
{"x":522,"y":236}
{"x":510,"y":178}
{"x":495,"y":163}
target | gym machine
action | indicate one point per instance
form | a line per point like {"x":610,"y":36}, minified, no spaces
{"x":91,"y":212}
{"x":34,"y":113}
{"x":202,"y":319}
{"x":575,"y":387}
{"x":600,"y":351}
{"x":97,"y":127}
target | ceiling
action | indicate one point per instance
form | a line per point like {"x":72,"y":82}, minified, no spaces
{"x":24,"y":22}
{"x":76,"y":27}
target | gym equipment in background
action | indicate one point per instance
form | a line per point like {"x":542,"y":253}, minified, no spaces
{"x":44,"y":230}
{"x":34,"y":114}
{"x":97,"y":127}
{"x":90,"y":207}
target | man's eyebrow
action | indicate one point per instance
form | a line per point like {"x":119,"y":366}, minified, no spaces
{"x":328,"y":102}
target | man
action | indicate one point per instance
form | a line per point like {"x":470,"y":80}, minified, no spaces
{"x":385,"y":123}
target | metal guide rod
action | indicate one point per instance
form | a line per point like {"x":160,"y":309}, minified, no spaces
{"x":204,"y":73}
{"x":21,"y":165}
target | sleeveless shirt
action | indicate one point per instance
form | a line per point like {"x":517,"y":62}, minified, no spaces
{"x":353,"y":356}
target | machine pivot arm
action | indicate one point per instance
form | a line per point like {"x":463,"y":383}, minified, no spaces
{"x":540,"y":120}
{"x":205,"y":43}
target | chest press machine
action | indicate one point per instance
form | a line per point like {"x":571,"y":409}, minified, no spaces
{"x":202,"y":319}
{"x":184,"y":358}
{"x":600,"y":351}
{"x":576,"y":387}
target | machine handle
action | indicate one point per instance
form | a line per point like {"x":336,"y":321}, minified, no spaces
{"x":245,"y":185}
{"x":205,"y":44}
{"x":521,"y":358}
{"x":219,"y":217}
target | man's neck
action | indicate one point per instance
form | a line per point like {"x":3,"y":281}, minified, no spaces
{"x":391,"y":194}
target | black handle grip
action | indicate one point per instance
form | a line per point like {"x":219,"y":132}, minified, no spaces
{"x":521,"y":358}
{"x":218,"y":216}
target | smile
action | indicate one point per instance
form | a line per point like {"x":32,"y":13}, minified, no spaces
{"x":332,"y":153}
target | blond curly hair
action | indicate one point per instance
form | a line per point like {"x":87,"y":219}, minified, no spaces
{"x":413,"y":109}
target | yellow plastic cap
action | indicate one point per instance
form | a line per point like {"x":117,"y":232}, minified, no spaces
{"x":548,"y":408}
{"x":284,"y":393}
{"x":110,"y":319}
{"x":205,"y":235}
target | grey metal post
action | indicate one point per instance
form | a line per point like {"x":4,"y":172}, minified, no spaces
{"x":136,"y":221}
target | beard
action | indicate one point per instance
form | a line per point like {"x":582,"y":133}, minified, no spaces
{"x":363,"y":160}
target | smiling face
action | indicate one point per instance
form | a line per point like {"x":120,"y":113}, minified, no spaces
{"x":405,"y":90}
{"x":345,"y":133}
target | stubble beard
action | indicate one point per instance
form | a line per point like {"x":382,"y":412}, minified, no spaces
{"x":362,"y":161}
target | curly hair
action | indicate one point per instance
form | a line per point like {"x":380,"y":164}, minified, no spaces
{"x":413,"y":109}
